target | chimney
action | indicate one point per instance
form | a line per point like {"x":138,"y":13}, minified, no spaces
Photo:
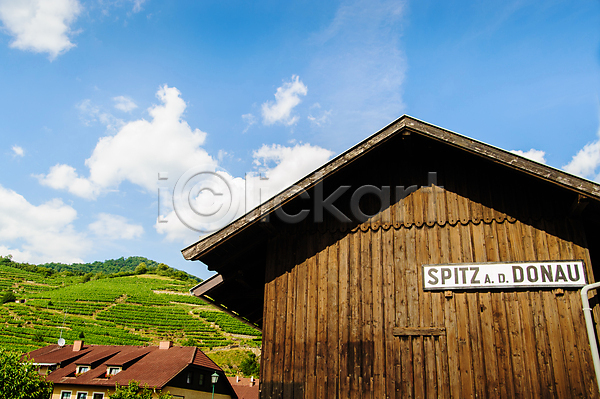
{"x":165,"y":344}
{"x":237,"y":378}
{"x":77,"y":345}
{"x":252,"y":381}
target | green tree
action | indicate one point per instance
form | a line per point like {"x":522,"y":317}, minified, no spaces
{"x":250,"y":366}
{"x":44,"y":271}
{"x":87,"y":277}
{"x":162,"y":267}
{"x":19,"y":378}
{"x":134,"y":391}
{"x":180,"y":275}
{"x":141,"y":268}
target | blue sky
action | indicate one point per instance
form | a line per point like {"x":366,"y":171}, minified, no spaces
{"x":99,"y":97}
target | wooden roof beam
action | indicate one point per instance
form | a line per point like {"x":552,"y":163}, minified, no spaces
{"x":578,"y":205}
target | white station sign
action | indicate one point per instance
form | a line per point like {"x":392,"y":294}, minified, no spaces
{"x":478,"y":276}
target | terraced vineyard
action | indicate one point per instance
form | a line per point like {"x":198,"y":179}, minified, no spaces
{"x":133,"y":310}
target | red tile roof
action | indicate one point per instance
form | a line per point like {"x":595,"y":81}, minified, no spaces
{"x":54,"y":354}
{"x":124,"y":357}
{"x":200,"y":359}
{"x":148,"y":365}
{"x":243,"y":389}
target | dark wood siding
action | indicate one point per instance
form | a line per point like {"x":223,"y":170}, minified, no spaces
{"x":334,"y":295}
{"x":343,"y":309}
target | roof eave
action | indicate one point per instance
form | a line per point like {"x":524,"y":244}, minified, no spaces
{"x":206,"y":285}
{"x":201,"y":293}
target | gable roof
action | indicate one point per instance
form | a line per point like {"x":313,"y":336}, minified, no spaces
{"x":239,"y":291}
{"x":403,"y":125}
{"x":148,"y":365}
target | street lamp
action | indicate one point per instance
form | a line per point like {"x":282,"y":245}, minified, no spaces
{"x":213,"y":379}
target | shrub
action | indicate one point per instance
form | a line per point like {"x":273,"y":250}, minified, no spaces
{"x":141,"y":268}
{"x":162,"y":267}
{"x":133,"y":391}
{"x":19,"y":379}
{"x":8,"y":296}
{"x":250,"y":366}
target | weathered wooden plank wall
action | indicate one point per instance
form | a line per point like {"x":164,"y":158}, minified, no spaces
{"x":333,"y":297}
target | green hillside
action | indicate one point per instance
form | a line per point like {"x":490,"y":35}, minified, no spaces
{"x":138,"y":309}
{"x":108,"y":268}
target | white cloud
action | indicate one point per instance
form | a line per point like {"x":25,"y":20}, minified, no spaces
{"x":90,"y":113}
{"x":115,"y":227}
{"x":41,"y":26}
{"x":137,"y":152}
{"x":250,"y":120}
{"x":175,"y":231}
{"x":286,"y":98}
{"x":124,"y":104}
{"x":533,"y":154}
{"x":18,"y":151}
{"x":18,"y":255}
{"x":222,"y":154}
{"x":137,"y":5}
{"x":283,"y":166}
{"x":198,"y":209}
{"x":586,"y":161}
{"x":166,"y":144}
{"x":65,"y":177}
{"x":108,"y":7}
{"x":278,"y":167}
{"x":321,"y":119}
{"x":41,"y":233}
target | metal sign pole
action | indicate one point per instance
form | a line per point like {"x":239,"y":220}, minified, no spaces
{"x":589,"y":322}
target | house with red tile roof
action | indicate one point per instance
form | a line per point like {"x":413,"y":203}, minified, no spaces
{"x":245,"y":388}
{"x":81,"y":371}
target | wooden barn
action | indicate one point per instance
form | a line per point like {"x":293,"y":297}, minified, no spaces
{"x":419,"y":263}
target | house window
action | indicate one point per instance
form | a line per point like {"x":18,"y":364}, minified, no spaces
{"x":201,"y":379}
{"x":65,"y":395}
{"x":189,"y":378}
{"x":81,"y":395}
{"x":98,"y":395}
{"x":113,"y":370}
{"x":82,"y":369}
